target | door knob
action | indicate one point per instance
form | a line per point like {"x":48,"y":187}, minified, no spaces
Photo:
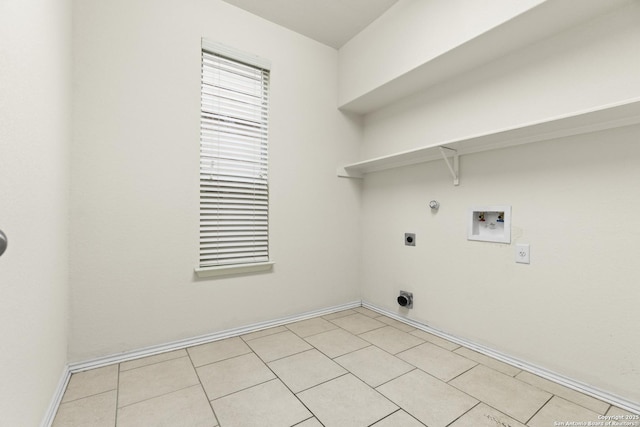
{"x":3,"y":242}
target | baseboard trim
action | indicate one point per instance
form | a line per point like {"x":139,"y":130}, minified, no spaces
{"x":57,"y":397}
{"x":595,"y":392}
{"x":216,"y":336}
{"x":203,"y":339}
{"x":99,"y":362}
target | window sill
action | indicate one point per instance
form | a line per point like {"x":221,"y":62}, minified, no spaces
{"x":227,"y":270}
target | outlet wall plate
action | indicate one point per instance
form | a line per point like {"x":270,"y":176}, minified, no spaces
{"x":522,"y":253}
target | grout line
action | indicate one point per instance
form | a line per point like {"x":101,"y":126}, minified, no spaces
{"x":215,"y":417}
{"x":466,"y":412}
{"x":149,"y":364}
{"x":307,"y":419}
{"x":540,"y":408}
{"x":395,"y":378}
{"x":88,"y":396}
{"x":385,"y":417}
{"x":408,"y":348}
{"x":244,"y":338}
{"x":562,"y":397}
{"x":316,"y":333}
{"x":220,"y":360}
{"x":323,"y":382}
{"x":340,"y":311}
{"x":462,"y":373}
{"x":294,"y":394}
{"x":117,"y":409}
{"x":244,"y":389}
{"x":155,"y":397}
{"x":291,"y":355}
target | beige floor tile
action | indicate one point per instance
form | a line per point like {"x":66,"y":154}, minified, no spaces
{"x":566,"y":393}
{"x":307,"y":369}
{"x":485,"y":416}
{"x":186,"y":407}
{"x":367,"y":312}
{"x":560,"y":410}
{"x":346,"y":401}
{"x":488,"y":361}
{"x":374,"y":366}
{"x":218,"y":350}
{"x":232,"y":375}
{"x":507,"y":394}
{"x":150,"y":360}
{"x":398,"y":419}
{"x":391,"y":339}
{"x":310,"y":327}
{"x":358,"y":323}
{"x":277,"y":346}
{"x":437,"y":361}
{"x":428,"y":399}
{"x":337,"y":342}
{"x":155,"y":380}
{"x":311,"y":422}
{"x":269,"y":404}
{"x":338,"y":314}
{"x":263,"y":333}
{"x":434,"y":339}
{"x":88,"y":383}
{"x":94,"y":411}
{"x":614,"y":410}
{"x":396,"y":324}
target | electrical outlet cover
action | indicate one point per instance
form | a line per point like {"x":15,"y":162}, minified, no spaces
{"x":522,"y":253}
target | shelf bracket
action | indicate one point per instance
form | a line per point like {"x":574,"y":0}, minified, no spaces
{"x":343,"y":173}
{"x":455,"y":168}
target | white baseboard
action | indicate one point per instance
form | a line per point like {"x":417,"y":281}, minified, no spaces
{"x":176,"y":345}
{"x":57,"y":397}
{"x":525,"y":366}
{"x":203,"y":339}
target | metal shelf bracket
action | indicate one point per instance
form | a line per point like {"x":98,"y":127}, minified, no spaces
{"x":455,"y":168}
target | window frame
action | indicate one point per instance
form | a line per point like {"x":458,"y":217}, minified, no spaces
{"x":219,"y":267}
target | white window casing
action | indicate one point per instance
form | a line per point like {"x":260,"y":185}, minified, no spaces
{"x":234,"y":184}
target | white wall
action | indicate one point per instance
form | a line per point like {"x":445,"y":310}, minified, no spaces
{"x":572,"y":310}
{"x":134,"y":198}
{"x":35,"y":109}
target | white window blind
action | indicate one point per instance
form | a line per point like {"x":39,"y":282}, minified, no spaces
{"x":234,"y":190}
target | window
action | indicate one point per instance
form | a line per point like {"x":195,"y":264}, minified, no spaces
{"x":234,"y":188}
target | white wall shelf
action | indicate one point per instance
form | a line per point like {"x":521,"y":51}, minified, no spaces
{"x":541,"y":22}
{"x":609,"y":116}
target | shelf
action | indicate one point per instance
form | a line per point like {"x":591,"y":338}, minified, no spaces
{"x":547,"y":19}
{"x":610,"y":116}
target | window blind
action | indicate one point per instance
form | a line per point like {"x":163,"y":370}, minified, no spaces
{"x":234,"y":189}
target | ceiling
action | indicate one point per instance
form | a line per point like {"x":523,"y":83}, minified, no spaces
{"x":332,"y":22}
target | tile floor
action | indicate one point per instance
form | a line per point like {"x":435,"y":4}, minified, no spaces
{"x":353,"y":368}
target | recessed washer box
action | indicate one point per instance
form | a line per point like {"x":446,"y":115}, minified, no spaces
{"x":490,"y":223}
